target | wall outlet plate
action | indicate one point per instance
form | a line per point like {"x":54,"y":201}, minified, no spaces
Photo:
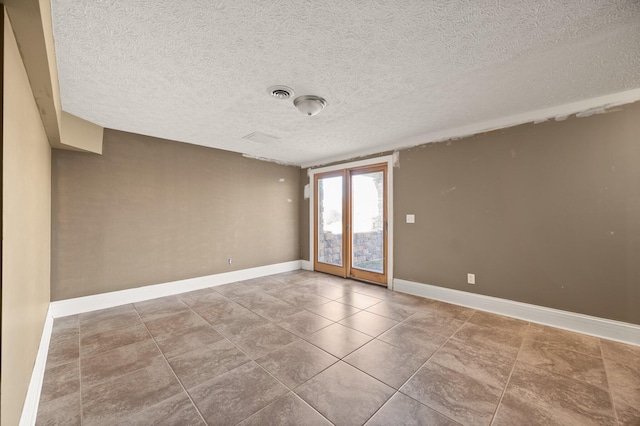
{"x":471,"y":278}
{"x":411,"y":218}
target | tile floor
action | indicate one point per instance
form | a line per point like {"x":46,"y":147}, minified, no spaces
{"x":305,"y":348}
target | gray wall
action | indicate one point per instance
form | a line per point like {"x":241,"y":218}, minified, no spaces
{"x":547,"y":214}
{"x":150,"y":211}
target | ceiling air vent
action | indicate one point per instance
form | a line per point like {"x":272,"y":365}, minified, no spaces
{"x":280,"y":92}
{"x":260,"y":137}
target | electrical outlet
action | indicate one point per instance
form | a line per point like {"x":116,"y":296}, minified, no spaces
{"x":230,"y":260}
{"x":471,"y":278}
{"x":411,"y":218}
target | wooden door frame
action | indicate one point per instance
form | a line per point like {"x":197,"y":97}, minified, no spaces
{"x":340,"y":271}
{"x":363,"y":274}
{"x":389,"y":160}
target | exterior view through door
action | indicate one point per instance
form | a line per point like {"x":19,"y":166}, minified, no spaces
{"x":351,"y":223}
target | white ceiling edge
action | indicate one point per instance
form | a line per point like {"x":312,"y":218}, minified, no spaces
{"x":559,"y":112}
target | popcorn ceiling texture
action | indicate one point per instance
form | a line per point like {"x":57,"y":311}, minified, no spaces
{"x":395,"y":70}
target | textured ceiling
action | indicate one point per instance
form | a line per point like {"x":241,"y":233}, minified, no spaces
{"x":394,"y":72}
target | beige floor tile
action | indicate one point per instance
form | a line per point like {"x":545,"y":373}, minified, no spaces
{"x":392,"y":310}
{"x":289,"y":410}
{"x":369,"y":323}
{"x":434,"y":322}
{"x":110,"y":401}
{"x":458,"y":312}
{"x":501,"y":322}
{"x":117,"y":362}
{"x":304,"y":323}
{"x":177,"y":410}
{"x":624,"y":382}
{"x":413,"y":339}
{"x":536,"y":397}
{"x":262,"y":340}
{"x":236,"y":395}
{"x":64,"y":349}
{"x":176,"y":322}
{"x":401,"y":410}
{"x":483,"y":365}
{"x":207,"y":362}
{"x":387,"y":363}
{"x":338,"y":340}
{"x":562,"y":361}
{"x":157,"y":308}
{"x":334,"y":311}
{"x":628,"y":415}
{"x":59,"y":381}
{"x":454,"y":394}
{"x":60,"y":411}
{"x":620,"y":353}
{"x":565,"y":339}
{"x":107,"y":340}
{"x":109,"y":321}
{"x":359,"y":300}
{"x":296,"y":363}
{"x":489,"y":339}
{"x":345,"y":395}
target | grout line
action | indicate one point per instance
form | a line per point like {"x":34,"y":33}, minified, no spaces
{"x":425,"y":363}
{"x":415,"y":372}
{"x":606,"y":377}
{"x":289,"y":390}
{"x":80,"y":369}
{"x":504,"y":391}
{"x":170,"y":368}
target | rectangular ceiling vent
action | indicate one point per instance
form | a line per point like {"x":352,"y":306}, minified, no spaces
{"x":260,"y":137}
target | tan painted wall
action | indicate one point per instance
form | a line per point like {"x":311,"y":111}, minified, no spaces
{"x":27,"y":231}
{"x":149,"y":211}
{"x":304,"y":217}
{"x":547,"y":214}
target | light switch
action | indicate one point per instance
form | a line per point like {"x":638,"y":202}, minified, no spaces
{"x":411,"y":218}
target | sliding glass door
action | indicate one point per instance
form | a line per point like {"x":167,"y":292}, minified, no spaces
{"x":351,"y":223}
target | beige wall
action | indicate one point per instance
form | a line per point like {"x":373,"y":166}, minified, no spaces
{"x":547,"y":214}
{"x":150,"y":211}
{"x":304,"y":217}
{"x":27,"y":231}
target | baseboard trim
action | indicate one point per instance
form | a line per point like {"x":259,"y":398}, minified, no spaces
{"x":306,"y":265}
{"x":63,"y":308}
{"x":594,"y":326}
{"x":32,"y":399}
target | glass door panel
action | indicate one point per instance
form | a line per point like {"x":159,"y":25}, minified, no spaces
{"x":330,"y":223}
{"x":368,"y":222}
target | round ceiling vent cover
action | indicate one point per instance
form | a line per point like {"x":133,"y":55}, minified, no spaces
{"x":280,"y":92}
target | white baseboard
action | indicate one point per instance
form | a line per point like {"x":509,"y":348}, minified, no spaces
{"x":586,"y":324}
{"x":306,"y":265}
{"x":63,"y":308}
{"x":32,"y":399}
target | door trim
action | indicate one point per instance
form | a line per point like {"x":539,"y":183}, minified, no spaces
{"x":389,"y":160}
{"x":339,"y":270}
